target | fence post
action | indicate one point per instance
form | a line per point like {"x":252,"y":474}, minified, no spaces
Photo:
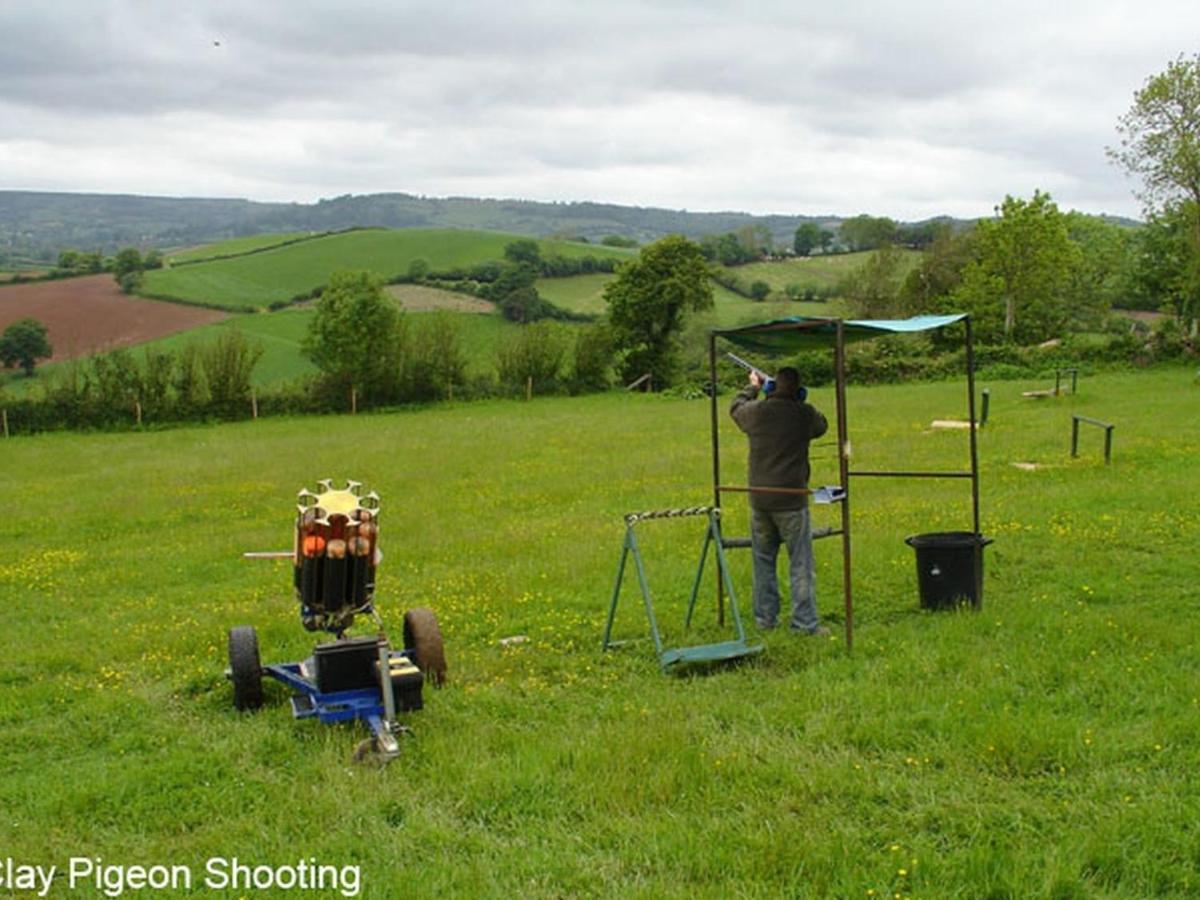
{"x":528,"y":387}
{"x":6,"y":423}
{"x":254,"y":404}
{"x":137,"y":410}
{"x":353,"y":402}
{"x":1074,"y":437}
{"x":983,"y":412}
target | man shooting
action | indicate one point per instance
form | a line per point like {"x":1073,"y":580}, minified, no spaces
{"x":780,"y":427}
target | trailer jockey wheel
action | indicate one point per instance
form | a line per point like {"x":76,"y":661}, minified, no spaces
{"x":424,"y":638}
{"x":368,"y":752}
{"x":245,"y":669}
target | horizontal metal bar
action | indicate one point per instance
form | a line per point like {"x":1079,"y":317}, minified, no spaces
{"x":911,"y":474}
{"x":764,"y":490}
{"x":1096,"y":422}
{"x":744,"y":543}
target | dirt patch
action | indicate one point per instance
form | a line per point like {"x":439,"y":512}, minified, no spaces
{"x":417,"y":298}
{"x":90,"y":314}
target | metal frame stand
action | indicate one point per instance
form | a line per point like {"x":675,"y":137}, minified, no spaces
{"x":846,"y":474}
{"x":700,"y":653}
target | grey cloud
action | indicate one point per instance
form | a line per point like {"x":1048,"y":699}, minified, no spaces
{"x":708,"y":104}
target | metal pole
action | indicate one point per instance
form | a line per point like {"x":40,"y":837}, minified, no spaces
{"x":1074,"y":436}
{"x":1108,"y":445}
{"x":716,"y":454}
{"x":839,"y":377}
{"x":971,"y":419}
{"x":974,"y":460}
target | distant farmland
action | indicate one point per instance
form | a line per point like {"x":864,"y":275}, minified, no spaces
{"x":245,"y":275}
{"x":256,"y":280}
{"x":90,"y":314}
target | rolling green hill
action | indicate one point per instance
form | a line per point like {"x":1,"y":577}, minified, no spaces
{"x":277,"y":275}
{"x":36,"y":225}
{"x":237,"y":247}
{"x":248,"y":274}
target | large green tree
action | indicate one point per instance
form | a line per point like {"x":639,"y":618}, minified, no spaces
{"x":127,"y":269}
{"x":1160,"y":134}
{"x":1165,"y":273}
{"x":865,"y":232}
{"x":1098,"y":282}
{"x":874,"y":287}
{"x":648,"y":302}
{"x":929,"y":286}
{"x":1160,"y":143}
{"x":1018,"y":285}
{"x":809,"y":237}
{"x":23,"y":343}
{"x":354,"y":336}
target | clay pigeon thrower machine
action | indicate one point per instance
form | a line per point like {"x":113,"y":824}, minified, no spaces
{"x":335,"y":557}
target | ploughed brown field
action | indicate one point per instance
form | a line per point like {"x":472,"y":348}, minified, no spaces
{"x":89,"y":314}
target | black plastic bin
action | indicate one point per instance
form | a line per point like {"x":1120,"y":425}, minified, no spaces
{"x":947,"y":572}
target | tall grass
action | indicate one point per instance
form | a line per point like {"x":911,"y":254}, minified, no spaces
{"x":1043,"y":747}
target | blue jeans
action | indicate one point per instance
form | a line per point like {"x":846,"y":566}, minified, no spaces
{"x":769,"y":529}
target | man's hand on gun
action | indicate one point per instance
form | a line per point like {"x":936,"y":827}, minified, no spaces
{"x":758,"y":377}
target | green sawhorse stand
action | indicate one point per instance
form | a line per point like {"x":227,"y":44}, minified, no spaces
{"x":700,"y":653}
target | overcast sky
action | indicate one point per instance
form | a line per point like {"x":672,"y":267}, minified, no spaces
{"x":902,"y":109}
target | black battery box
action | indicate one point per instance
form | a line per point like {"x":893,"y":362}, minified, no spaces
{"x":407,"y":682}
{"x":348,"y":664}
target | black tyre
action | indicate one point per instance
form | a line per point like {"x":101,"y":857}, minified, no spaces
{"x":424,"y":638}
{"x":245,"y":669}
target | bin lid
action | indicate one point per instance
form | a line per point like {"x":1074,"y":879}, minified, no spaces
{"x":947,"y":539}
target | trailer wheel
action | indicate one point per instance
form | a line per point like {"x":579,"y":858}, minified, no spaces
{"x":424,"y":638}
{"x":367,"y":752}
{"x":245,"y":668}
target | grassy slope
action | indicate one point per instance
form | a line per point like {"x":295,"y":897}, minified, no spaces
{"x":259,"y":279}
{"x":1044,"y":747}
{"x":235,"y":246}
{"x":813,"y":271}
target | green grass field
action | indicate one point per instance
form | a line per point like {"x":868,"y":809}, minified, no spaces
{"x":821,"y":272}
{"x":1045,"y":746}
{"x":256,"y":280}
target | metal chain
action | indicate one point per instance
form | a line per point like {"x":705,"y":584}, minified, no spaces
{"x":634,"y":518}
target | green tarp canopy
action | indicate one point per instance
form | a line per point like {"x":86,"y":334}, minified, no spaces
{"x":812,"y":333}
